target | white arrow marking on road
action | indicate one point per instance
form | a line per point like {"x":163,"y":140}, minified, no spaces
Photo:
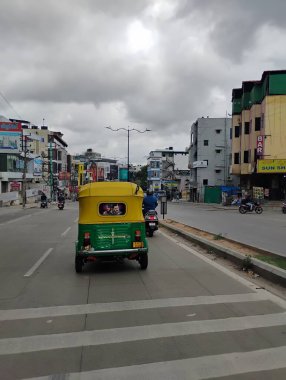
{"x":38,"y":263}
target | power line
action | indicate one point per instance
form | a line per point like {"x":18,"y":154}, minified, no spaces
{"x":9,"y":104}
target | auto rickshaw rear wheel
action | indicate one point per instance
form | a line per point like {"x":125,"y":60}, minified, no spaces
{"x":78,"y":265}
{"x":143,"y":261}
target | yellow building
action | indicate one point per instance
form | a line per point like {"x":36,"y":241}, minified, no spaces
{"x":259,"y":133}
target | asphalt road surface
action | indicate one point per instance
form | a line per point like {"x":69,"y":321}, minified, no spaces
{"x":266,"y":231}
{"x":185,"y":317}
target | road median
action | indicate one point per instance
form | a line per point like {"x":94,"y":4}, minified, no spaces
{"x":245,"y":256}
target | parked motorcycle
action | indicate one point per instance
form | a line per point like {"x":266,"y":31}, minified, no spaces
{"x":151,"y":222}
{"x":284,"y":207}
{"x":256,"y":207}
{"x":61,"y":205}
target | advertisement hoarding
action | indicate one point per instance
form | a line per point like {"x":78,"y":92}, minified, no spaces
{"x":10,"y":137}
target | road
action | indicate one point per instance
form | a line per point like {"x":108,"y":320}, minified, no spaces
{"x":185,"y":317}
{"x":265,"y":231}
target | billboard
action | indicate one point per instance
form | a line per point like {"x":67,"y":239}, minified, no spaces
{"x":10,"y":137}
{"x":123,"y":174}
{"x":113,"y":174}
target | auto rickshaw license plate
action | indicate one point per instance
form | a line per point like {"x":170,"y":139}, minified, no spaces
{"x":137,"y":244}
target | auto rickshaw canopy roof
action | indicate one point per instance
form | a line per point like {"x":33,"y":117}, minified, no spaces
{"x":93,"y":195}
{"x":99,"y":189}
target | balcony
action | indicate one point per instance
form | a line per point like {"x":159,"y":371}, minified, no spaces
{"x":235,"y":169}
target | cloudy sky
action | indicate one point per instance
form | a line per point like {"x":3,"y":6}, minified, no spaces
{"x":83,"y":65}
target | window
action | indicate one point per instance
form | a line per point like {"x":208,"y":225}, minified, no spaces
{"x":236,"y":158}
{"x":218,"y":170}
{"x":218,"y":131}
{"x":246,"y":128}
{"x":218,"y":150}
{"x":257,"y":123}
{"x":237,"y":131}
{"x":108,"y":209}
{"x":206,"y":142}
{"x":205,"y":181}
{"x":246,"y":156}
{"x":230,"y":133}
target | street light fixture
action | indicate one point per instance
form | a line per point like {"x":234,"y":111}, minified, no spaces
{"x":128,"y":133}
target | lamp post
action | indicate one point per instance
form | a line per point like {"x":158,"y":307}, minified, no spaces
{"x":128,"y":134}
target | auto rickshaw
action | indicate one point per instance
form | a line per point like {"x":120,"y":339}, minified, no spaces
{"x":111,"y":224}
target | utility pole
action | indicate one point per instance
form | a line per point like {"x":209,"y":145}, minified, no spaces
{"x":51,"y":166}
{"x":25,"y":151}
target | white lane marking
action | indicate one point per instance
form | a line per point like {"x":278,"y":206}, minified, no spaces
{"x":191,"y":315}
{"x":38,"y":263}
{"x":11,"y":346}
{"x":272,"y":297}
{"x":16,"y":220}
{"x":58,"y":311}
{"x":65,"y":232}
{"x":199,"y":368}
{"x":76,"y":220}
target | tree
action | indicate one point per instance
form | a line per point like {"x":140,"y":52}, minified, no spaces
{"x":140,"y":177}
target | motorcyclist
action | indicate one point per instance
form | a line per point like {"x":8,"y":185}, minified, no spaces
{"x":61,"y":198}
{"x":249,"y":202}
{"x":149,"y":202}
{"x":43,"y":197}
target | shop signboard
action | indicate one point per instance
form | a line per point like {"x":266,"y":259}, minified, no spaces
{"x":10,"y":137}
{"x":260,"y":145}
{"x":271,"y":166}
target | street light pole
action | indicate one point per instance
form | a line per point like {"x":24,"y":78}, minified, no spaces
{"x":128,"y":138}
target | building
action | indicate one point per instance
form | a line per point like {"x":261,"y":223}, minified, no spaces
{"x":209,"y":155}
{"x":259,"y":134}
{"x":166,"y":169}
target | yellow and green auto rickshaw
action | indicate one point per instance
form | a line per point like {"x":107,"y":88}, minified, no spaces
{"x":111,"y":224}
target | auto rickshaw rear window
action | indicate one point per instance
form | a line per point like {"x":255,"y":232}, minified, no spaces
{"x":112,"y":209}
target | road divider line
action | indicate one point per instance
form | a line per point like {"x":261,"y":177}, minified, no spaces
{"x":38,"y":263}
{"x":65,"y":232}
{"x":16,"y":220}
{"x":76,"y":220}
{"x":21,"y":345}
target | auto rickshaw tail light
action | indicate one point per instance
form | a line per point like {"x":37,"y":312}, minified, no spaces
{"x":137,"y":235}
{"x":86,"y":240}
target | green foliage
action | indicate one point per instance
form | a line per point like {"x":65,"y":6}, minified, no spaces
{"x":247,"y":263}
{"x":218,"y":237}
{"x":141,"y":177}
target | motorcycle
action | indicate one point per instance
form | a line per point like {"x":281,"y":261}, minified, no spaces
{"x":61,"y":205}
{"x":151,"y":222}
{"x":284,"y":207}
{"x":256,"y":207}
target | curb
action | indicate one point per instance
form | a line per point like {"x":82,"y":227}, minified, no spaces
{"x":265,"y":270}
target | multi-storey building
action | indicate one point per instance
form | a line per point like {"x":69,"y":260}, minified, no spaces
{"x":164,"y":168}
{"x":259,"y":134}
{"x":209,"y":155}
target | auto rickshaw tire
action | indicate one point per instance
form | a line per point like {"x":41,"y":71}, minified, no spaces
{"x":150,"y":233}
{"x":143,"y":261}
{"x":78,"y":265}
